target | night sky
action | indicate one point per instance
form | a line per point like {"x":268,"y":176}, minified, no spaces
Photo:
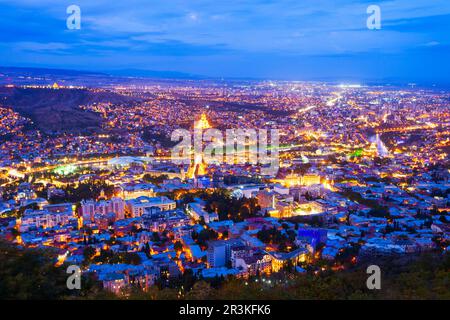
{"x":300,"y":39}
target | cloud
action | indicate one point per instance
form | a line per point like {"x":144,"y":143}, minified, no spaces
{"x":432,"y":44}
{"x":41,"y":47}
{"x":219,"y":35}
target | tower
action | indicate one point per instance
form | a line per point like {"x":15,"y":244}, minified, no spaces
{"x":198,"y":167}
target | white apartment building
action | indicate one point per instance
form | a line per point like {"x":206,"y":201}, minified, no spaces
{"x":136,"y":207}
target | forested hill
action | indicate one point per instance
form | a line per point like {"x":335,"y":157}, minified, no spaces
{"x":58,"y":110}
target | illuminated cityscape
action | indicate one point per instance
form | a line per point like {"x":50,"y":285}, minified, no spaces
{"x":363,"y":170}
{"x":89,"y":180}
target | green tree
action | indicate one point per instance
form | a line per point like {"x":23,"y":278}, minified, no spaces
{"x":178,"y":246}
{"x":89,"y":253}
{"x":201,"y":291}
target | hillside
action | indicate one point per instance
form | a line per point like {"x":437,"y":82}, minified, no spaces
{"x":58,"y":110}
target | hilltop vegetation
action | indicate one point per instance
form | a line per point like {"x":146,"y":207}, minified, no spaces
{"x":58,"y":110}
{"x":31,"y":274}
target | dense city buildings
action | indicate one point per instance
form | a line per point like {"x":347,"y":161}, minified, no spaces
{"x":363,"y":172}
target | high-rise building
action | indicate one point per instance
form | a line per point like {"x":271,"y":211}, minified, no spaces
{"x":90,"y":207}
{"x":217,"y":254}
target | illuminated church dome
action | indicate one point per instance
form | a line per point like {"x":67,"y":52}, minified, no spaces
{"x":202,"y":123}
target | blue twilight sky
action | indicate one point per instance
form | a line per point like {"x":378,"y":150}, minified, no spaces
{"x":275,"y":39}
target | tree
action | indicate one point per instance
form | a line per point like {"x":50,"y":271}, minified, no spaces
{"x":156,"y":237}
{"x":206,"y":235}
{"x":155,"y":179}
{"x":178,"y":246}
{"x":228,"y":207}
{"x":88,"y":253}
{"x":131,"y":258}
{"x":27,"y":273}
{"x":188,"y":280}
{"x":147,"y":249}
{"x":225,"y":234}
{"x":201,"y":291}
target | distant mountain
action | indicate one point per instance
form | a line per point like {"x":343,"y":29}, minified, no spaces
{"x":154,"y":74}
{"x":68,"y":73}
{"x":24,"y":71}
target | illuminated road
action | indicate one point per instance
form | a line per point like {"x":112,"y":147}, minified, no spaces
{"x":408,"y":128}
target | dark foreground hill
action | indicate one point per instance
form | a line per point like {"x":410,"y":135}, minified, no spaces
{"x":28,"y":273}
{"x":58,"y":110}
